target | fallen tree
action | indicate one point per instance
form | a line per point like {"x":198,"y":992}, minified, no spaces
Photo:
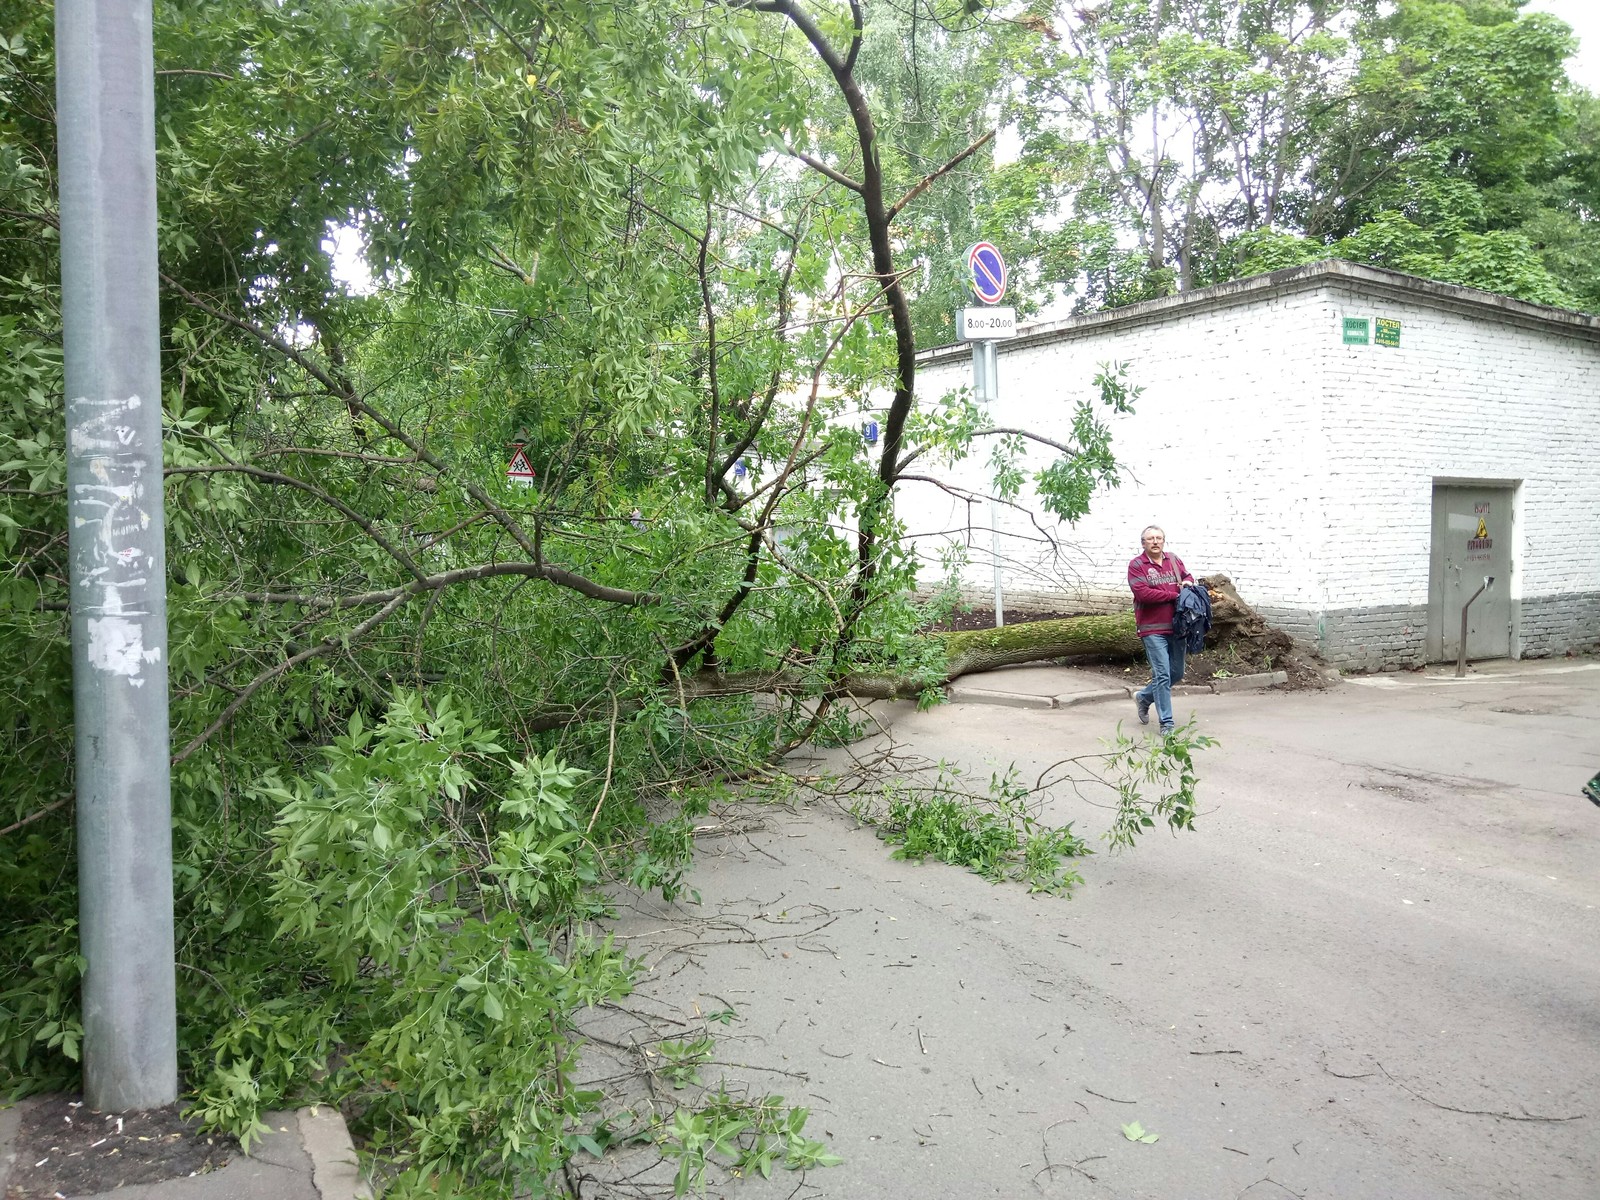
{"x":1102,"y":635}
{"x":399,"y":674}
{"x":965,"y":652}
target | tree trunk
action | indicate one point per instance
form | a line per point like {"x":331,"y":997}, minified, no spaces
{"x":1108,"y":635}
{"x":966,"y":651}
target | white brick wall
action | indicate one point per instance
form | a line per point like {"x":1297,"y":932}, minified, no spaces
{"x":1467,"y":397}
{"x":1300,"y":466}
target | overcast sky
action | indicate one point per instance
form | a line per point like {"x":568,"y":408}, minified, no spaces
{"x":1584,"y":17}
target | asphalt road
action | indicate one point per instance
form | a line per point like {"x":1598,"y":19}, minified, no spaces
{"x":1373,"y":969}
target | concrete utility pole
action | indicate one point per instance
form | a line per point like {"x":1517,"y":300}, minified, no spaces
{"x":105,"y":101}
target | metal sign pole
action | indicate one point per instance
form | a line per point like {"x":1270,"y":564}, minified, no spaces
{"x":991,"y":360}
{"x":994,"y":534}
{"x":986,"y":268}
{"x":985,"y":389}
{"x":105,"y":98}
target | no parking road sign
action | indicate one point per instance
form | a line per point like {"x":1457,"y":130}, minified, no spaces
{"x":987,"y":269}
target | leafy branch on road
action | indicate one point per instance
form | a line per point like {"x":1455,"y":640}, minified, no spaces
{"x":928,"y":809}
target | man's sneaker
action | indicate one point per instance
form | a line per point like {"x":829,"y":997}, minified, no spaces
{"x":1143,"y":705}
{"x":1166,"y":729}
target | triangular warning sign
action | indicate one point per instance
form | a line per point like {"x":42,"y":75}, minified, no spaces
{"x":1483,"y":529}
{"x":519,"y":469}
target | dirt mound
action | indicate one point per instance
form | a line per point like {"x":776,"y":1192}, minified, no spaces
{"x":64,"y":1148}
{"x":1242,"y":643}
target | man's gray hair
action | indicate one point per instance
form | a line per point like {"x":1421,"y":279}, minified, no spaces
{"x":1148,"y":528}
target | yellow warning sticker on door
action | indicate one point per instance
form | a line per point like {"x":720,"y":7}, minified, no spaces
{"x":1483,"y":529}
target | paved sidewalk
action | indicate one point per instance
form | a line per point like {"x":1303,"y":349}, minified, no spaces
{"x":1068,"y":687}
{"x":307,"y":1156}
{"x":1495,"y":671}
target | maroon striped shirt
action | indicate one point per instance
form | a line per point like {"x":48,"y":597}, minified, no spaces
{"x":1155,"y":589}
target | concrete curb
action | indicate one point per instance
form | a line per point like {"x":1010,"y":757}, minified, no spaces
{"x":972,"y":695}
{"x":1073,"y":699}
{"x":960,"y":694}
{"x":335,"y":1172}
{"x":1244,"y":683}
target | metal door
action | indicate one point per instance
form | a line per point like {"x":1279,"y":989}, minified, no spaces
{"x":1471,"y":542}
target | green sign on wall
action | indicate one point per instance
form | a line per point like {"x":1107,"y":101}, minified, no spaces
{"x":1388,"y":332}
{"x":1357,"y":331}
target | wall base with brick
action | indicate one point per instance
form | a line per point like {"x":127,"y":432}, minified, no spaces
{"x":1548,"y":626}
{"x":1359,"y":639}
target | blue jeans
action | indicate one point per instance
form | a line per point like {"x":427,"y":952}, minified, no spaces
{"x":1165,"y":652}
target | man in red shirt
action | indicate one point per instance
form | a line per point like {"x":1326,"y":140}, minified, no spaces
{"x":1156,"y":579}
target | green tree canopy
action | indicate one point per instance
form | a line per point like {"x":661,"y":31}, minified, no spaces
{"x":663,"y":247}
{"x":1192,"y":142}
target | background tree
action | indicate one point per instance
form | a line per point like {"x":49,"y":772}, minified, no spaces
{"x":1175,"y":125}
{"x":1457,"y":147}
{"x":1195,"y":142}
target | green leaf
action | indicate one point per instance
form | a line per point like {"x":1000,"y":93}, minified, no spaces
{"x":1135,"y":1132}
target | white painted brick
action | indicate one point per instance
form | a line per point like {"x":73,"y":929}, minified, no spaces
{"x":1301,"y":467}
